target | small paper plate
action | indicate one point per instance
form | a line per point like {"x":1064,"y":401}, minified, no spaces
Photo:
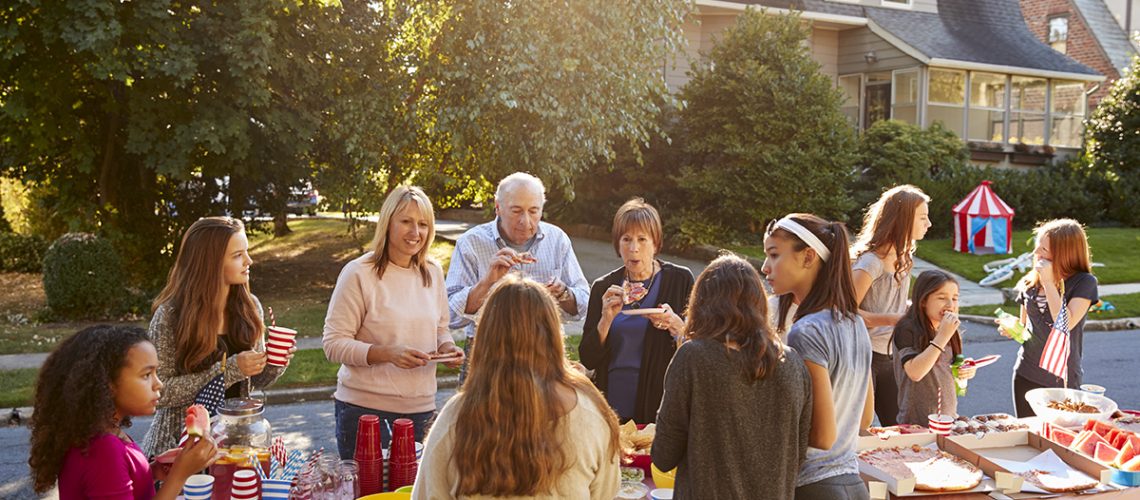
{"x":644,"y":311}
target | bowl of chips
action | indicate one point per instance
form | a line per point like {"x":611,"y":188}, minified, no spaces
{"x":636,"y":445}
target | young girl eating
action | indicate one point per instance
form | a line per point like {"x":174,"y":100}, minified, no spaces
{"x":926,"y":340}
{"x":87,"y":392}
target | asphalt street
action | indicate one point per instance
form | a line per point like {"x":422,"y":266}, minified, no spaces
{"x":1109,"y":357}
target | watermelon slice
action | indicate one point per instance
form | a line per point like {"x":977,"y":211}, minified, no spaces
{"x":197,"y":421}
{"x":1126,"y":454}
{"x":1088,"y":425}
{"x":1132,"y":465}
{"x":1111,"y":435}
{"x":1088,"y":446}
{"x":1100,"y":428}
{"x":1080,"y":440}
{"x":1063,"y":436}
{"x":1105,"y":453}
{"x":1119,"y":440}
{"x":1135,"y":441}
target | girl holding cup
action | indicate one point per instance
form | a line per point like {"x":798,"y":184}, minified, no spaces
{"x":387,"y":323}
{"x":87,"y":392}
{"x":206,"y":325}
{"x":1061,"y":279}
{"x":925,"y":341}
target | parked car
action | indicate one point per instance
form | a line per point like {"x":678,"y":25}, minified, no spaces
{"x":303,"y":200}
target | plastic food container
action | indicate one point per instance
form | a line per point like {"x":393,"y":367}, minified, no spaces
{"x":632,"y":491}
{"x":1039,"y":400}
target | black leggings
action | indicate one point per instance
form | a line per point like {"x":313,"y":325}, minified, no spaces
{"x":1021,"y":386}
{"x":886,"y":389}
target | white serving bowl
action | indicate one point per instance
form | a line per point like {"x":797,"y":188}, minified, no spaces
{"x":1039,"y":400}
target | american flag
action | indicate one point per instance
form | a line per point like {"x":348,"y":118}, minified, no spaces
{"x":212,"y":395}
{"x":1055,"y":357}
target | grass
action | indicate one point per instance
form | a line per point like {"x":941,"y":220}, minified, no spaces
{"x":18,"y":387}
{"x":1127,"y":306}
{"x":1117,"y":248}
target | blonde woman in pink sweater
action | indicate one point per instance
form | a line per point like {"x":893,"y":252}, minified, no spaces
{"x":387,"y":318}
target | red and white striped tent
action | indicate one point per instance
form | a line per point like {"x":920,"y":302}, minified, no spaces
{"x":983,"y":223}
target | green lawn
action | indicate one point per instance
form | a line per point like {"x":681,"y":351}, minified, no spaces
{"x":1117,"y":248}
{"x":1127,"y":306}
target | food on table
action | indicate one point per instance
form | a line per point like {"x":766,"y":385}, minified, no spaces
{"x":897,"y":430}
{"x":1086,"y":443}
{"x":1126,"y":454}
{"x":197,"y":421}
{"x":632,"y":490}
{"x":1054,"y":483}
{"x":1008,"y":427}
{"x":981,"y":424}
{"x":1128,"y":423}
{"x":1100,"y":428}
{"x":1062,"y":436}
{"x":632,"y":474}
{"x":1072,"y":406}
{"x":1105,"y":453}
{"x":1132,"y":465}
{"x":932,"y":469}
{"x":994,"y":417}
{"x":636,"y":441}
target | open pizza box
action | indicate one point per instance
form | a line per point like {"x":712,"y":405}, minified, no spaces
{"x":994,"y":449}
{"x":880,"y":483}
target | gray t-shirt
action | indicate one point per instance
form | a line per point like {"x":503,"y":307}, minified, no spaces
{"x":886,"y":295}
{"x":917,"y":400}
{"x":844,"y":348}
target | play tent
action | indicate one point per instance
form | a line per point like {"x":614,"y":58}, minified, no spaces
{"x":983,"y":223}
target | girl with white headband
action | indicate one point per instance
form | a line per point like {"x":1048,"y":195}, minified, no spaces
{"x":806,"y":263}
{"x":881,"y":273}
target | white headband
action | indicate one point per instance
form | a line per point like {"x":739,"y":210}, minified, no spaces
{"x":808,"y":237}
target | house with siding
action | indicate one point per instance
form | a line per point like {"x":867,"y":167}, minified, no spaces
{"x":972,"y":65}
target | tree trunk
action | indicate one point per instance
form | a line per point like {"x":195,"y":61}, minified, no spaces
{"x":281,"y":223}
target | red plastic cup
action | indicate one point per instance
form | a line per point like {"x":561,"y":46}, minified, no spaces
{"x":940,"y":424}
{"x":278,"y":345}
{"x":368,"y":438}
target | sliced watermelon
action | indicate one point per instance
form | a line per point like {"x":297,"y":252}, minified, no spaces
{"x":1105,"y":453}
{"x":1088,"y":447}
{"x":1063,"y":436}
{"x":1120,"y":438}
{"x":1080,"y":440}
{"x":1135,"y":440}
{"x":1100,"y":428}
{"x":1132,"y":465}
{"x":197,"y":421}
{"x":1111,"y":434}
{"x":1126,"y":454}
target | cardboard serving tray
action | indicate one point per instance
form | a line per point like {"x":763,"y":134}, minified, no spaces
{"x":1016,"y":445}
{"x":879,"y":483}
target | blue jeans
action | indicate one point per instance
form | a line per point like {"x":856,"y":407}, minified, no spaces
{"x":348,"y":415}
{"x":466,"y":356}
{"x":846,"y":486}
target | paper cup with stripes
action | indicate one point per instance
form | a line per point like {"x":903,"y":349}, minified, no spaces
{"x":198,"y":487}
{"x":275,"y":489}
{"x":277,"y":347}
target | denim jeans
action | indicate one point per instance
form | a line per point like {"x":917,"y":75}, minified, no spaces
{"x":846,"y":486}
{"x":348,"y":414}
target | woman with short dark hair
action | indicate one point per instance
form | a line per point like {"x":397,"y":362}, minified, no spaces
{"x":628,"y":350}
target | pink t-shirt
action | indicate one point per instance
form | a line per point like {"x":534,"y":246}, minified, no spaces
{"x":108,"y":468}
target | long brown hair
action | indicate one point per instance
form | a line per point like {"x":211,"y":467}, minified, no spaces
{"x":399,"y":198}
{"x":915,"y":318}
{"x":833,"y":288}
{"x":195,"y":290}
{"x":728,"y":304}
{"x":889,"y":224}
{"x":1069,"y":246}
{"x":506,"y":442}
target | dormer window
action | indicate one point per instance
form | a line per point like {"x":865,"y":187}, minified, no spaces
{"x":1058,"y":32}
{"x":898,"y":3}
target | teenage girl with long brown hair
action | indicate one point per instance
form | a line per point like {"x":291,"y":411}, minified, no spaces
{"x":733,"y":385}
{"x":206,"y":323}
{"x":1061,"y":278}
{"x":881,"y":274}
{"x":525,"y":423}
{"x":806,"y":261}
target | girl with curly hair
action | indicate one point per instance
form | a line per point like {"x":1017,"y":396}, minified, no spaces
{"x":207,"y":326}
{"x":87,"y":392}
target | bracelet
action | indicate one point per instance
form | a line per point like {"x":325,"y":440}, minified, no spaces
{"x":936,"y":346}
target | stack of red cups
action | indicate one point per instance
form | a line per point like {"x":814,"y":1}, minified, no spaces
{"x":369,"y":457}
{"x":246,"y":485}
{"x":402,"y":463}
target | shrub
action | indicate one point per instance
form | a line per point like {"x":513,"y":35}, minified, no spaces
{"x":1112,"y":146}
{"x":764,"y":133}
{"x":22,"y":254}
{"x":83,"y":277}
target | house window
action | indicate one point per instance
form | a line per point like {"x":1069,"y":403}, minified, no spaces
{"x":897,"y":3}
{"x":946,"y":99}
{"x":986,"y":116}
{"x":1058,"y":33}
{"x":852,"y":88}
{"x":904,"y":100}
{"x":1066,"y":113}
{"x":1027,"y":110}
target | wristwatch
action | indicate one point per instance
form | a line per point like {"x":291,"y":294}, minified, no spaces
{"x":564,"y":295}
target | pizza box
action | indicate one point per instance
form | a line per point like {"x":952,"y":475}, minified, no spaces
{"x":1019,"y":446}
{"x":879,"y":483}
